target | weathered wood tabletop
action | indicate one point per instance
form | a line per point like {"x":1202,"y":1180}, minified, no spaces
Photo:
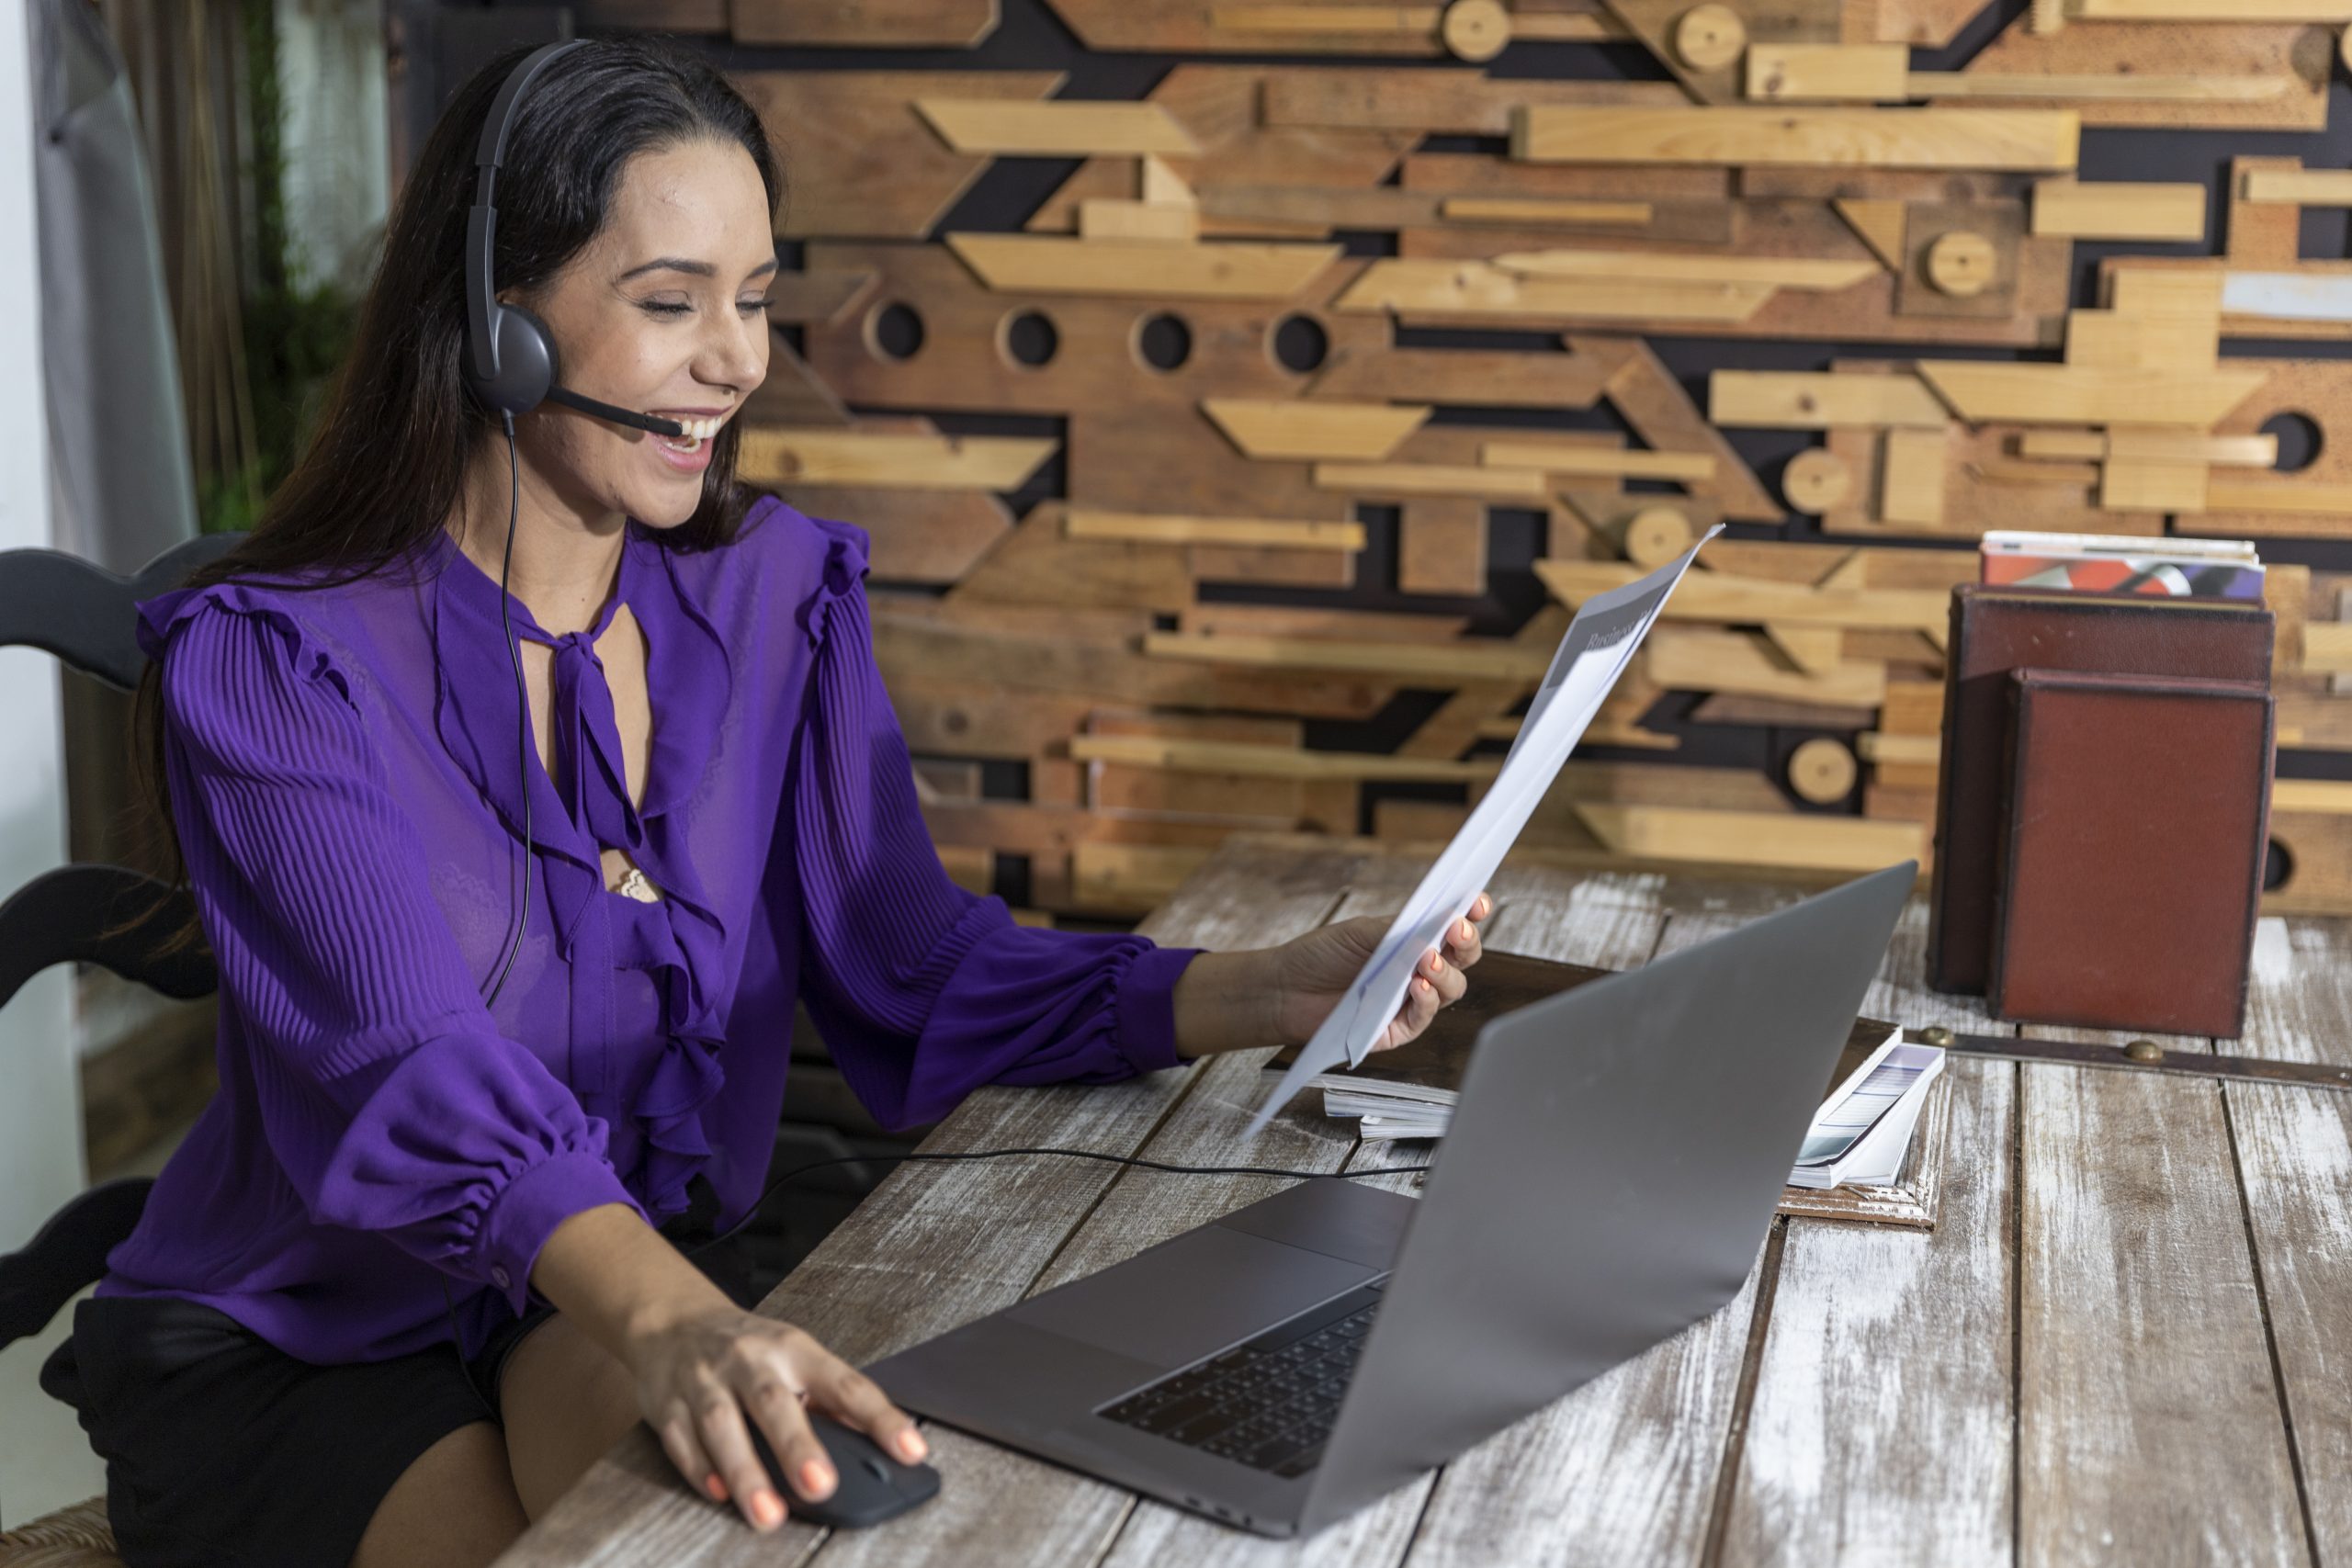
{"x":2128,"y":1340}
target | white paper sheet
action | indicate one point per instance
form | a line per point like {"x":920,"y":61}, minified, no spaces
{"x":1593,"y":652}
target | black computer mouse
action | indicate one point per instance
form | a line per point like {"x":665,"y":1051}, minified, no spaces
{"x":873,"y":1487}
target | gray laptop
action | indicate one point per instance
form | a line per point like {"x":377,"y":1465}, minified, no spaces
{"x":1609,"y":1173}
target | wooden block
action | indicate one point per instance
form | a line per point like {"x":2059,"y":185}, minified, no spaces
{"x":2166,"y":291}
{"x":2261,"y":234}
{"x":1777,"y":272}
{"x":1443,"y":665}
{"x":1087,"y":522}
{"x":1274,"y":428}
{"x":920,"y":535}
{"x":1651,"y":399}
{"x":2287,"y":55}
{"x":1267,"y":18}
{"x":2150,"y":484}
{"x":1964,"y":259}
{"x":1432,"y":479}
{"x":2077,"y":210}
{"x":1488,"y":378}
{"x":1543,"y":211}
{"x":1802,"y":400}
{"x":1913,"y":751}
{"x":1655,"y":535}
{"x":1808,"y":840}
{"x":775,"y":455}
{"x":1898,"y":138}
{"x":1038,"y":563}
{"x":1815,"y":480}
{"x":2298,"y":498}
{"x":1274,"y":761}
{"x":798,"y":298}
{"x":1105,"y":217}
{"x":2115,"y":341}
{"x":1682,"y":467}
{"x":1426,"y":102}
{"x":1472,"y":289}
{"x":2071,"y":394}
{"x":1141,"y":268}
{"x":1442,"y":547}
{"x":2298,"y":187}
{"x":1823,"y":770}
{"x":1817,"y":651}
{"x":1913,"y":708}
{"x":1273,"y":567}
{"x":998,"y":127}
{"x":1882,"y":225}
{"x":1911,"y":478}
{"x":1157,"y":184}
{"x":1819,"y":72}
{"x":1312,"y":211}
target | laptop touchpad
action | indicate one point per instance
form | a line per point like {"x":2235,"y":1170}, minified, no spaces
{"x":1206,"y":1290}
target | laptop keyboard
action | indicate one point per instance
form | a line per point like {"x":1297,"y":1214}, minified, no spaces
{"x":1268,"y":1402}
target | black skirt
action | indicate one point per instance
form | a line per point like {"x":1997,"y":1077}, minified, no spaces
{"x":222,"y":1450}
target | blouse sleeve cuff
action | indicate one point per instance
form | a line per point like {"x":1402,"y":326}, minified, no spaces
{"x":527,"y":1212}
{"x":1146,"y":1006}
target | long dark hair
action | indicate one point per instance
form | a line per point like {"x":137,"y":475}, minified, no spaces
{"x":387,"y":462}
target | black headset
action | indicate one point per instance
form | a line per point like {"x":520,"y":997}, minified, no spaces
{"x":509,"y":359}
{"x":510,"y":363}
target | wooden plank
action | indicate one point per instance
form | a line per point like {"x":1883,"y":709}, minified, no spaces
{"x":2294,"y":1158}
{"x":1551,"y":458}
{"x":1289,"y":428}
{"x":1266,"y":16}
{"x":1540,"y":210}
{"x":2298,"y":187}
{"x":1800,"y":400}
{"x":1743,"y":663}
{"x":1439,"y":665}
{"x":2068,"y":394}
{"x":1777,"y":272}
{"x":1431,"y":478}
{"x":1882,"y":225}
{"x":920,"y":535}
{"x":1459,"y":102}
{"x":1039,"y":563}
{"x":1141,"y":268}
{"x":2139,"y":1306}
{"x":1486,"y":377}
{"x":776,"y":454}
{"x":1714,"y":595}
{"x":2113,"y":340}
{"x":1272,"y":762}
{"x":1911,"y":477}
{"x":1828,"y":72}
{"x":1090,"y":522}
{"x":1943,"y":87}
{"x":2297,"y":497}
{"x":1472,"y":289}
{"x":871,"y":24}
{"x":2286,"y":53}
{"x":2239,"y":11}
{"x":1902,"y":138}
{"x":1871,"y":1325}
{"x":2229,"y":451}
{"x":999,"y":128}
{"x":2078,"y":210}
{"x":1651,"y":399}
{"x":1801,"y":840}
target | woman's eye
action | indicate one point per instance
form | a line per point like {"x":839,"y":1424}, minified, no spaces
{"x":762,"y":303}
{"x":665,"y":307}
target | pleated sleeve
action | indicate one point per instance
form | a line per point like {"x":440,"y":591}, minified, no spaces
{"x":923,"y":990}
{"x":387,"y":1094}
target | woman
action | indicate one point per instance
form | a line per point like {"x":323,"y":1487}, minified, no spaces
{"x":720,"y":816}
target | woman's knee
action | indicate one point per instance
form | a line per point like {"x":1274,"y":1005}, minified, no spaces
{"x":453,"y":1508}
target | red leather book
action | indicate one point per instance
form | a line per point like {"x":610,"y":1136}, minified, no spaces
{"x":1997,"y":630}
{"x":2138,"y":827}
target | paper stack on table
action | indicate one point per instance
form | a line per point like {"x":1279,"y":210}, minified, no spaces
{"x":1593,"y":652}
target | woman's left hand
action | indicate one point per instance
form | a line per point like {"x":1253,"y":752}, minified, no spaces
{"x":1315,"y":970}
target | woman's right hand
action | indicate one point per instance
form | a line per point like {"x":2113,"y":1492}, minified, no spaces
{"x":700,"y":1369}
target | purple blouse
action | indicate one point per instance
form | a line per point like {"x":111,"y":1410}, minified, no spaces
{"x":344,"y":775}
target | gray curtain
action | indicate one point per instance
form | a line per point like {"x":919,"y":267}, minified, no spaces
{"x":121,"y":481}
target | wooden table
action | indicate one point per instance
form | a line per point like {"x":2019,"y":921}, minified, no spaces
{"x":2128,"y":1340}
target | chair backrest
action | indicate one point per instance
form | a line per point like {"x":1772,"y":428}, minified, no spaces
{"x":106,"y":915}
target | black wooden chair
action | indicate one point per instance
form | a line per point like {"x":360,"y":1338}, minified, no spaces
{"x":89,"y":914}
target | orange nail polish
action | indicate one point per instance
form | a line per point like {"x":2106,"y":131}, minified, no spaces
{"x":767,"y":1510}
{"x":815,"y":1477}
{"x":716,"y":1487}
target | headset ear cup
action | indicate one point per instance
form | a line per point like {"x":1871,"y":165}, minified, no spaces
{"x":527,"y":363}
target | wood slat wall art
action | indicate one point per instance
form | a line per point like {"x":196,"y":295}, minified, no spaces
{"x":1240,"y":467}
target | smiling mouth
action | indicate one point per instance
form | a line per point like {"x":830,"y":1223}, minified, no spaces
{"x":697,"y":431}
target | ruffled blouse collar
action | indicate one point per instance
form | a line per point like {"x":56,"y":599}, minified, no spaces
{"x":680,"y":938}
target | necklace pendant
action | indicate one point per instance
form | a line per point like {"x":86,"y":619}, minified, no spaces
{"x":633,"y":884}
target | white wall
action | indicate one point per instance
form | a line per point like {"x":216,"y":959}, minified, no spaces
{"x":44,"y":1460}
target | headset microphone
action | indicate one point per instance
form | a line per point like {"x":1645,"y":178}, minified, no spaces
{"x":510,"y":357}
